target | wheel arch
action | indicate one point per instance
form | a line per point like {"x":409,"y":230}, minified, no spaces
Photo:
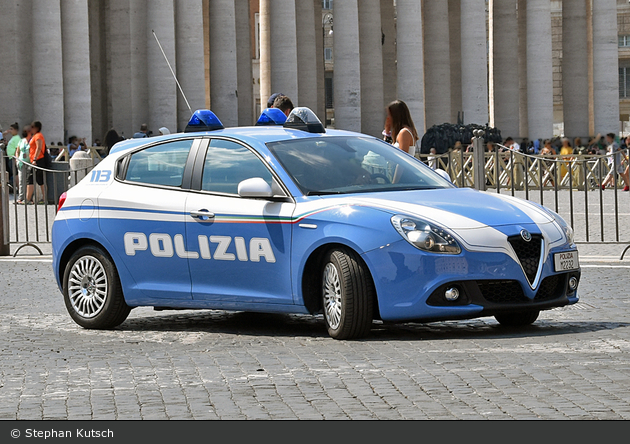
{"x":311,"y":277}
{"x":72,"y":248}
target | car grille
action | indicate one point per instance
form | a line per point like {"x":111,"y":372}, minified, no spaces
{"x":502,"y":292}
{"x":528,"y":254}
{"x":551,"y":288}
{"x":510,"y":292}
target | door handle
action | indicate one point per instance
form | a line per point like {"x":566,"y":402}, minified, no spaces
{"x":202,"y":215}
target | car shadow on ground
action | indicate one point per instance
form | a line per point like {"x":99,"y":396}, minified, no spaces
{"x":279,"y":325}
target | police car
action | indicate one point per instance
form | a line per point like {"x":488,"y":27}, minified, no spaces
{"x":292,"y":218}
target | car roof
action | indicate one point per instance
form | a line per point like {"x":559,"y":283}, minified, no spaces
{"x":250,"y":135}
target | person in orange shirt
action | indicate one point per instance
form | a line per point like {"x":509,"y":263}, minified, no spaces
{"x":37,"y":156}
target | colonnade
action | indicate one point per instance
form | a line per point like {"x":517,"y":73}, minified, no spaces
{"x":94,"y":65}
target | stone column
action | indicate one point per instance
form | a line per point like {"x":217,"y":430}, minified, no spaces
{"x":139,"y":63}
{"x":190,"y":58}
{"x":539,"y":70}
{"x":504,"y":85}
{"x":390,"y":77}
{"x":15,"y":88}
{"x":474,"y":68}
{"x":163,"y":89}
{"x":243,"y":45}
{"x":437,"y":63}
{"x":307,"y":56}
{"x":411,"y":59}
{"x":223,"y":63}
{"x":605,"y":67}
{"x":371,"y":63}
{"x":76,"y":69}
{"x":575,"y":69}
{"x":455,"y":19}
{"x":522,"y":68}
{"x":319,"y":61}
{"x":98,"y":69}
{"x":265,"y":52}
{"x":47,"y":90}
{"x":284,"y":58}
{"x":118,"y":35}
{"x":347,"y":76}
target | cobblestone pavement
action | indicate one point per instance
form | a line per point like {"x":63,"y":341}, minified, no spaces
{"x":574,"y":363}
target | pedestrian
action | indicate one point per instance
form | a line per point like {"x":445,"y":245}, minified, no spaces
{"x":22,"y":154}
{"x":143,"y":133}
{"x":566,"y":152}
{"x":12,"y":145}
{"x":404,"y":133}
{"x":432,"y":159}
{"x":615,"y":153}
{"x":111,"y":139}
{"x":578,"y":148}
{"x":37,"y":153}
{"x":284,"y":104}
{"x":164,"y":131}
{"x":272,"y":99}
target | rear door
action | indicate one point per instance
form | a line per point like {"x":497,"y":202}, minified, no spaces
{"x":242,"y":247}
{"x":143,"y":216}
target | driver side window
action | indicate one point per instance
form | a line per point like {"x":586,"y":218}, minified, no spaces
{"x":228,"y":164}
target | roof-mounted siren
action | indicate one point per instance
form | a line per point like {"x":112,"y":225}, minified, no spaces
{"x":304,"y":119}
{"x":204,"y":120}
{"x":272,"y":117}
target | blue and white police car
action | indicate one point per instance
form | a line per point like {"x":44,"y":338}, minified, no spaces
{"x":294,"y":218}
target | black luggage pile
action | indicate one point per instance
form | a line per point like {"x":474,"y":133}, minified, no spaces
{"x":442,"y":137}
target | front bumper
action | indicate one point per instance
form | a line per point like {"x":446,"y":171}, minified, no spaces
{"x":411,"y":284}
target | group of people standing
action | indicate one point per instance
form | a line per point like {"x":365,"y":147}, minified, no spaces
{"x":28,"y":156}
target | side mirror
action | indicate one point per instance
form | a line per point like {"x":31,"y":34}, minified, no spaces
{"x":255,"y":188}
{"x":444,"y":175}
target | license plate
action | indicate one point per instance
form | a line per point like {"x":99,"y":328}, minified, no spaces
{"x":566,"y":261}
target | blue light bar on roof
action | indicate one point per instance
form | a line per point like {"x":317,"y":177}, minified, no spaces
{"x":272,"y":117}
{"x":204,"y":120}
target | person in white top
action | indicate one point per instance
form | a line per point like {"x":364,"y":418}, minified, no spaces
{"x":403,"y":130}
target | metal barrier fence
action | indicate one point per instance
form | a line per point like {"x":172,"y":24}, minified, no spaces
{"x":28,"y":224}
{"x":569,"y":185}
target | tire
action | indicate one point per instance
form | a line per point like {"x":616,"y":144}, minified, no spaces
{"x":347,"y":295}
{"x":518,"y":319}
{"x":92,"y":290}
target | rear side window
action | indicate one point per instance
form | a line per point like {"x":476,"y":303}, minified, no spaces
{"x":228,"y":164}
{"x":160,"y":165}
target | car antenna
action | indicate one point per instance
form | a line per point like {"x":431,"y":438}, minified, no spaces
{"x":172,"y":72}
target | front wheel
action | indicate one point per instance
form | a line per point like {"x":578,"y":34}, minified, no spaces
{"x":518,"y":319}
{"x":92,"y":290}
{"x":348,"y":295}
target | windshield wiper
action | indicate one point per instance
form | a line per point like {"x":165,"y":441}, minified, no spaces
{"x":323,"y":193}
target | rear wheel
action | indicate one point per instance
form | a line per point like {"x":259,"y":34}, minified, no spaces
{"x":92,"y":290}
{"x":347,"y":295}
{"x":518,"y":319}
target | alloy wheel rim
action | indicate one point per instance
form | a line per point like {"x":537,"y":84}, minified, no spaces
{"x":332,"y":296}
{"x":87,"y":287}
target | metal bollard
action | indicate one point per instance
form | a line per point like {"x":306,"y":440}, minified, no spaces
{"x":5,"y":247}
{"x":479,"y":160}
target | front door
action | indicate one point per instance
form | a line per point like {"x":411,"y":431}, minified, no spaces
{"x":239,"y":248}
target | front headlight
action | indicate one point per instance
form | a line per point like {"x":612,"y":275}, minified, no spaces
{"x":566,"y":229}
{"x":425,"y":236}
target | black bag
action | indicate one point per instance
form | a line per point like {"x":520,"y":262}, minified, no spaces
{"x":48,"y":159}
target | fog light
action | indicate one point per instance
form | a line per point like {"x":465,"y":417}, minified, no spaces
{"x":452,"y":294}
{"x":573,"y":283}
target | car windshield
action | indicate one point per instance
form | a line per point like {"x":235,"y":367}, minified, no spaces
{"x":344,"y":165}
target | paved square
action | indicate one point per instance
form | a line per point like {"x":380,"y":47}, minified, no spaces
{"x":574,"y":363}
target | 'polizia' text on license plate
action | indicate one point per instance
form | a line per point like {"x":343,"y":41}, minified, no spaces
{"x":566,"y":261}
